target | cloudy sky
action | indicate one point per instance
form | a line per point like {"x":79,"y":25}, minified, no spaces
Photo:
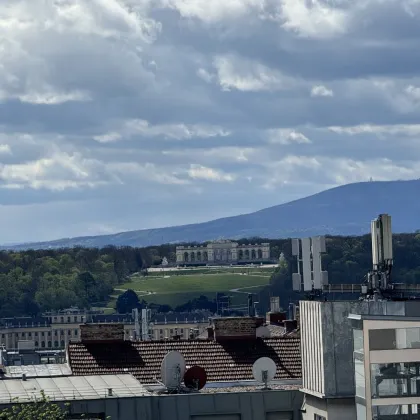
{"x":129,"y":114}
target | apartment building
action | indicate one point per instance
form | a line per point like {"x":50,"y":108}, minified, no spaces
{"x":54,"y":330}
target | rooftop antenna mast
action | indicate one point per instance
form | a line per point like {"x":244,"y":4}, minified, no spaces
{"x":378,"y":282}
{"x":309,"y":268}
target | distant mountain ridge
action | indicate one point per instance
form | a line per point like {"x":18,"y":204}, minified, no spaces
{"x":343,"y":210}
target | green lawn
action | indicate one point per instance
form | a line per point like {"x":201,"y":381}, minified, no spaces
{"x":194,"y":283}
{"x":177,"y":289}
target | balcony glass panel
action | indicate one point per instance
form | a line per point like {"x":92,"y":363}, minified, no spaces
{"x":395,"y":380}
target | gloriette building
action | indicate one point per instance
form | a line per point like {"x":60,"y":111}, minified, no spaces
{"x":223,"y":252}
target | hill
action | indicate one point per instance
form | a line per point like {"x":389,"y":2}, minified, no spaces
{"x":344,"y":210}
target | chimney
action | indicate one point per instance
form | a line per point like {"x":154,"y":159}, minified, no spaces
{"x":275,"y":304}
{"x":276,"y":318}
{"x":210,"y":333}
{"x":290,"y":325}
{"x":236,"y":328}
{"x":101,"y":332}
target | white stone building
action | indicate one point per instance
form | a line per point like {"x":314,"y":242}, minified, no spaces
{"x":222,"y":252}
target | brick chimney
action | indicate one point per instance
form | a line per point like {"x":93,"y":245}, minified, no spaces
{"x":290,"y":325}
{"x":276,"y":318}
{"x":101,"y":332}
{"x":236,"y":328}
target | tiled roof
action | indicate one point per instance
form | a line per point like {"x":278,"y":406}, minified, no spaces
{"x":228,"y":361}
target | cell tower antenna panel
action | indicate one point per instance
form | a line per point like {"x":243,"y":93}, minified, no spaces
{"x":306,"y":264}
{"x":172,"y":370}
{"x":316,"y":262}
{"x":296,"y":247}
{"x":264,"y":370}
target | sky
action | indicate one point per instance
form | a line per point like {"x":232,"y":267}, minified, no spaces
{"x":131,"y":114}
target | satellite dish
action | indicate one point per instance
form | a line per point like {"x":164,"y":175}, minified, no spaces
{"x":195,"y":378}
{"x":172,"y":370}
{"x":264,"y":370}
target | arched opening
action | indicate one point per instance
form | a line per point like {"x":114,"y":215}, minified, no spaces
{"x":62,"y":344}
{"x":253,"y":254}
{"x":56,"y":343}
{"x":43,"y":344}
{"x":192,"y":256}
{"x":199,"y":256}
{"x":260,"y":254}
{"x":206,"y":257}
{"x":186,"y":256}
{"x":241,"y":254}
{"x":36,"y":344}
{"x":247,"y":254}
{"x":49,"y":344}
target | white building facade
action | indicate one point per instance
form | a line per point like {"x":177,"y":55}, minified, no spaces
{"x":387,"y":367}
{"x":223,"y":252}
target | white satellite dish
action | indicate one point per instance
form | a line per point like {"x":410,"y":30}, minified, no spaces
{"x":264,"y":370}
{"x":172,"y":370}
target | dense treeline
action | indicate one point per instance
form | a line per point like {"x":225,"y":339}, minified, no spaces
{"x":34,"y":281}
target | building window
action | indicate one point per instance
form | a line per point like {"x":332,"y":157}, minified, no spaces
{"x":396,"y":412}
{"x":29,"y":334}
{"x":49,"y":344}
{"x":394,"y":339}
{"x":359,"y":378}
{"x":76,"y":332}
{"x":43,"y":344}
{"x":358,"y":341}
{"x":318,"y":417}
{"x":36,"y":344}
{"x":62,"y":319}
{"x":36,"y":334}
{"x":62,"y":344}
{"x":69,"y":332}
{"x":68,"y":319}
{"x":55,"y":333}
{"x":43,"y":334}
{"x":56,"y":343}
{"x":49,"y":333}
{"x":75,"y":319}
{"x":395,"y":380}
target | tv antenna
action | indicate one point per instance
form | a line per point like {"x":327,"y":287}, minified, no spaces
{"x":264,"y":370}
{"x":195,"y":378}
{"x":172,"y":370}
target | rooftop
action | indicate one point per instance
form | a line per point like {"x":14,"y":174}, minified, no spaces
{"x":71,"y":388}
{"x":33,"y":371}
{"x":227,"y":361}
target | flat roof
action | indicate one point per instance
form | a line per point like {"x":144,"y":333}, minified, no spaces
{"x":358,"y":317}
{"x":43,"y":370}
{"x":71,"y":388}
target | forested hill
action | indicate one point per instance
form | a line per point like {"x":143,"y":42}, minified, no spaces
{"x":344,"y":210}
{"x":34,"y":281}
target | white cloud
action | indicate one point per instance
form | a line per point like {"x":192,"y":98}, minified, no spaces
{"x":286,"y":136}
{"x":5,"y":149}
{"x":248,"y":76}
{"x":54,"y":98}
{"x":200,"y":172}
{"x":180,"y":131}
{"x":391,"y":130}
{"x":214,"y":10}
{"x":332,"y":171}
{"x":321,"y":90}
{"x":205,"y":75}
{"x":314,"y":19}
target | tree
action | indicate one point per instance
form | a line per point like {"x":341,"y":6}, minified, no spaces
{"x":39,"y":409}
{"x":127,"y":301}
